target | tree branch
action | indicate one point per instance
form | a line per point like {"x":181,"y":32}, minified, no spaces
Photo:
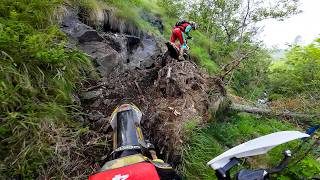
{"x":243,"y":26}
{"x":228,"y":68}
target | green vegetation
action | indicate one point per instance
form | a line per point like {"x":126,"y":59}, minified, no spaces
{"x":293,"y":84}
{"x":203,"y":59}
{"x":200,"y":45}
{"x":295,"y":80}
{"x":38,"y":75}
{"x":213,"y":140}
{"x":130,"y":13}
{"x":251,"y":79}
{"x":200,"y":48}
{"x":299,"y":72}
{"x":226,"y":32}
{"x":134,"y":12}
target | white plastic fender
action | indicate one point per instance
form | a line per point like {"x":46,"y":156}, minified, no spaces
{"x":260,"y":145}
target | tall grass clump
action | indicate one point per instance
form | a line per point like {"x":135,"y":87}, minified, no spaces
{"x":126,"y":13}
{"x":205,"y":144}
{"x":92,"y":11}
{"x":141,"y":8}
{"x":38,"y":75}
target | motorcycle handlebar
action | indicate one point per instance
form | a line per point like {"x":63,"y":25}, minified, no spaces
{"x":283,"y":164}
{"x":224,"y":172}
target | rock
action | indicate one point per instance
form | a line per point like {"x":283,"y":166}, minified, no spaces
{"x":132,"y":42}
{"x":111,"y":50}
{"x":74,"y":28}
{"x":134,"y":52}
{"x":81,"y":119}
{"x":115,"y":42}
{"x":107,"y":101}
{"x":144,"y":56}
{"x":119,"y":43}
{"x":104,"y":56}
{"x":88,"y":35}
{"x":91,"y":94}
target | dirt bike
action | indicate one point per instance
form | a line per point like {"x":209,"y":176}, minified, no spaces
{"x":133,"y":157}
{"x":173,"y":51}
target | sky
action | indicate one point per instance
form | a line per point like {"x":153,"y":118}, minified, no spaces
{"x":306,"y":24}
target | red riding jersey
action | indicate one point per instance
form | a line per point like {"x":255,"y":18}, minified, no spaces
{"x":179,"y":32}
{"x":139,"y":171}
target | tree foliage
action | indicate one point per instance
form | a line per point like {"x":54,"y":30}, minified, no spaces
{"x":235,"y":21}
{"x":298,"y":73}
{"x":295,"y":80}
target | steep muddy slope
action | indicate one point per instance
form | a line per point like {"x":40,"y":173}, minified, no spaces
{"x":131,"y":70}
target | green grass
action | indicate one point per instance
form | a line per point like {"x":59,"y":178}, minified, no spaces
{"x":197,"y":153}
{"x":203,"y":59}
{"x":200,"y":47}
{"x":211,"y":141}
{"x":190,"y":126}
{"x":37,"y":78}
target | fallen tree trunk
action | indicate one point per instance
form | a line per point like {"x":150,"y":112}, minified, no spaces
{"x":269,"y":112}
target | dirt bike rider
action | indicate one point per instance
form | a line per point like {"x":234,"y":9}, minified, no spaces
{"x":181,"y":31}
